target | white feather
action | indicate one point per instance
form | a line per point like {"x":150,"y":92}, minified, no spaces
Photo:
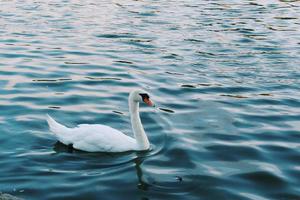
{"x":92,"y":137}
{"x":102,"y":138}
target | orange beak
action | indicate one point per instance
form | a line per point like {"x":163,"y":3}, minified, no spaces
{"x":148,"y":102}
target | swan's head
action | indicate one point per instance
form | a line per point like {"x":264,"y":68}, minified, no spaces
{"x":141,"y":96}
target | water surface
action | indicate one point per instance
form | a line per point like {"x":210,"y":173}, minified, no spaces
{"x":224,"y":76}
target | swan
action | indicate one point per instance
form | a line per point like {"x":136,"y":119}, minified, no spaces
{"x":102,"y":138}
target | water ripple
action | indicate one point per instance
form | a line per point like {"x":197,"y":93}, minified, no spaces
{"x":224,"y":77}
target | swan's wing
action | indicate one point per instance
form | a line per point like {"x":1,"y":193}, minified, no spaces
{"x":97,"y":138}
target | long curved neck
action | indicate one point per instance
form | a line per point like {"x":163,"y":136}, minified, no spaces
{"x":137,"y":127}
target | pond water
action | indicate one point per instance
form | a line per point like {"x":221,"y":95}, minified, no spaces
{"x":224,"y":76}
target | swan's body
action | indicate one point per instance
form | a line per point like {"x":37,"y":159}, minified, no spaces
{"x":102,"y":138}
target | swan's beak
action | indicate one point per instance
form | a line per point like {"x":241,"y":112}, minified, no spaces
{"x":148,"y":102}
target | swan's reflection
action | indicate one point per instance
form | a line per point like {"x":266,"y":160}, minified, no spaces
{"x":61,"y":148}
{"x":143,"y":185}
{"x":138,"y":159}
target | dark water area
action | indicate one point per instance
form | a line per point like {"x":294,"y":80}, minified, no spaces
{"x":223,"y":74}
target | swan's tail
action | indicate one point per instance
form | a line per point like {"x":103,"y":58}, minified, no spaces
{"x":56,"y":127}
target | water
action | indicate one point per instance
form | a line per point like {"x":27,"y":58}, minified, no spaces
{"x":223,"y":74}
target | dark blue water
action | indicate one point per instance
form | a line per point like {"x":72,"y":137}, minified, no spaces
{"x":224,"y":76}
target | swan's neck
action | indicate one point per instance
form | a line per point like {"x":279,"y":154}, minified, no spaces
{"x":137,"y":127}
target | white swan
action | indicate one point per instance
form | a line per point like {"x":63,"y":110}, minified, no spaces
{"x":101,"y":138}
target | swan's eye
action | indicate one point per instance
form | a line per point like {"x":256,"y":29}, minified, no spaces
{"x":146,"y":99}
{"x":144,"y":96}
